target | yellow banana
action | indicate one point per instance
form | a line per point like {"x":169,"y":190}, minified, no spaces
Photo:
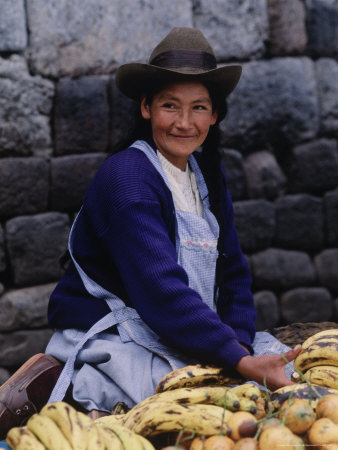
{"x":161,"y":417}
{"x":110,"y":439}
{"x":302,"y":390}
{"x":248,"y":390}
{"x":95,"y":439}
{"x":197,"y":375}
{"x":319,"y":349}
{"x":127,"y":437}
{"x":146,"y":444}
{"x":221,"y":396}
{"x":67,"y":419}
{"x":245,"y":404}
{"x":323,"y":376}
{"x":20,"y":438}
{"x":46,"y":430}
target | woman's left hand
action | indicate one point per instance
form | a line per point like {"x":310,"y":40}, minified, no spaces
{"x":267,"y":369}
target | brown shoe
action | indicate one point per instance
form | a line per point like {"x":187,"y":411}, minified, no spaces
{"x":27,"y":390}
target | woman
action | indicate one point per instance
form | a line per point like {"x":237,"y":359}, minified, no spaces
{"x":157,"y":279}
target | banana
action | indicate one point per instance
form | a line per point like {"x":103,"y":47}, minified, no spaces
{"x":247,"y":390}
{"x":197,"y":375}
{"x":146,"y":444}
{"x":95,"y":439}
{"x":221,"y":396}
{"x":319,"y":349}
{"x":109,"y":438}
{"x":162,"y":417}
{"x":67,"y":419}
{"x":127,"y":437}
{"x":323,"y":376}
{"x":302,"y":390}
{"x":46,"y":430}
{"x":245,"y":404}
{"x":20,"y":438}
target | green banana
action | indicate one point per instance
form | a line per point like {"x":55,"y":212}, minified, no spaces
{"x":20,"y":438}
{"x":46,"y":430}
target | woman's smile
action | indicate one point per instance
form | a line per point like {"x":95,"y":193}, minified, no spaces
{"x":181,"y":115}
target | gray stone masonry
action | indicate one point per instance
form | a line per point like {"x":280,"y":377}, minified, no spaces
{"x":23,"y":186}
{"x":287,"y":27}
{"x":238,"y":30}
{"x":255,"y":224}
{"x":306,"y":305}
{"x":25,"y":308}
{"x":326,"y":264}
{"x":274,"y":105}
{"x":327,"y":75}
{"x":331,"y":215}
{"x":265,"y":179}
{"x":35,"y":244}
{"x":282,"y":269}
{"x":94,"y":36}
{"x":232,"y":163}
{"x":18,"y":346}
{"x":25,"y":106}
{"x":81,"y":115}
{"x":13,"y":34}
{"x":267,"y":307}
{"x":322,"y":30}
{"x":299,"y":222}
{"x":314,"y":167}
{"x":70,"y":177}
{"x":61,"y":115}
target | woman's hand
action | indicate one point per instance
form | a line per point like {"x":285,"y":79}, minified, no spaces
{"x":270,"y":367}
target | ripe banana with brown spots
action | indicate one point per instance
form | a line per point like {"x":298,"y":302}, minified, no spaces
{"x":46,"y":430}
{"x":20,"y":438}
{"x":197,"y":375}
{"x":318,"y":350}
{"x":323,"y":376}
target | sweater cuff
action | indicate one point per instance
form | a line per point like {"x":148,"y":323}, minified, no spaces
{"x":245,"y":339}
{"x":233,"y":352}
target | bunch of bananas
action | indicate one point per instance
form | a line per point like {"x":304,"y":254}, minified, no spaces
{"x":59,"y":426}
{"x":318,"y":359}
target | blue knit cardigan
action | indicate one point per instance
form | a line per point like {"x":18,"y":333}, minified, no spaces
{"x":125,"y":241}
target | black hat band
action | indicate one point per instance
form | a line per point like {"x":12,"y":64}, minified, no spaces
{"x":185,"y":58}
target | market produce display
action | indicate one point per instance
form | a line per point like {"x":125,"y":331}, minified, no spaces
{"x":203,"y":408}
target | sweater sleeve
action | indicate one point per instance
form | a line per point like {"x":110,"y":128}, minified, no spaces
{"x":136,"y":238}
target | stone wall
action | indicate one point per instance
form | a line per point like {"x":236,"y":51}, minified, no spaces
{"x":60,"y":114}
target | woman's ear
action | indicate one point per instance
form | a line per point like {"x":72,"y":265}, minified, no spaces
{"x":214,"y":117}
{"x":145,"y":109}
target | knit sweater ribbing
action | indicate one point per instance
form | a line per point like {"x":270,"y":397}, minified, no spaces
{"x":125,"y":241}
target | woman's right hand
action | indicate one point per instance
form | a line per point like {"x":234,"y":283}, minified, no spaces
{"x":267,"y":369}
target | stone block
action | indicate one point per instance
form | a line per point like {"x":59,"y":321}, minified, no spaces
{"x":331,"y":217}
{"x":313,"y":304}
{"x":77,"y":37}
{"x":287,"y":30}
{"x":23,"y":186}
{"x":326,"y":264}
{"x":282,"y":269}
{"x":2,"y":288}
{"x":4,"y":375}
{"x":299,"y":222}
{"x":327,"y":76}
{"x":17,"y":347}
{"x":25,"y":308}
{"x":264,"y":176}
{"x":70,"y":177}
{"x":25,"y":106}
{"x":267,"y":309}
{"x":236,"y":30}
{"x":81,"y":115}
{"x":255,"y":224}
{"x":322,"y":27}
{"x":314,"y":167}
{"x":2,"y":251}
{"x":34,"y":245}
{"x":275,"y":104}
{"x":13,"y":34}
{"x":232,"y":163}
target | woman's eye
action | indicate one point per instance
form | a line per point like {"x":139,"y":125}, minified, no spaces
{"x":201,"y":107}
{"x":168,"y":105}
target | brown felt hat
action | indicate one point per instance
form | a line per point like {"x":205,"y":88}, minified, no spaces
{"x":183,"y":55}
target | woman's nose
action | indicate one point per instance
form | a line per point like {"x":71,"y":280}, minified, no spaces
{"x":184,"y":119}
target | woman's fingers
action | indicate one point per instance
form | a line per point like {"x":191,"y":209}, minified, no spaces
{"x":292,"y":354}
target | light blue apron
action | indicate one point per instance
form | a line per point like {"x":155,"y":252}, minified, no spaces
{"x":104,"y":367}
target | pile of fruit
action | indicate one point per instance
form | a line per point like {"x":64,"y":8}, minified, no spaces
{"x":201,"y":408}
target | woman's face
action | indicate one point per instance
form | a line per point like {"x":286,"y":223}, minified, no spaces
{"x":180,"y":115}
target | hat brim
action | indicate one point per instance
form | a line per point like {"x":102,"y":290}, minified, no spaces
{"x":133,"y":79}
